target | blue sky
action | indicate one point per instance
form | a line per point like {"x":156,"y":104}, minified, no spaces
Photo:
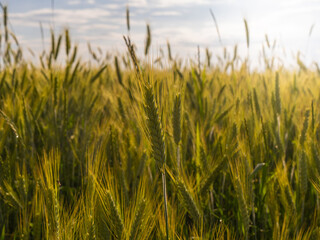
{"x":184,"y":23}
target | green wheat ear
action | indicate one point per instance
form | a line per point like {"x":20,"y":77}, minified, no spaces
{"x":67,"y":42}
{"x":256,"y":103}
{"x":247,"y":32}
{"x":128,"y":18}
{"x":37,"y":223}
{"x":211,"y":178}
{"x":303,"y":181}
{"x":277,"y":95}
{"x":154,"y":125}
{"x":115,"y":216}
{"x":242,"y":206}
{"x":102,"y":230}
{"x":188,"y":201}
{"x":56,"y":208}
{"x":176,"y":119}
{"x":156,"y":140}
{"x":118,"y":70}
{"x":305,"y":127}
{"x":315,"y":156}
{"x":91,"y":228}
{"x":137,"y":220}
{"x":148,"y":41}
{"x":303,"y":174}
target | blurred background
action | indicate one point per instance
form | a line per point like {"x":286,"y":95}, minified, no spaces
{"x":286,"y":28}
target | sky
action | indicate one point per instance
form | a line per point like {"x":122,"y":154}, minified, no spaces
{"x":186,"y":24}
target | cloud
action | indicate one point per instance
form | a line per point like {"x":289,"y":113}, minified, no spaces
{"x":166,"y":13}
{"x":113,"y":6}
{"x":97,"y":28}
{"x":169,"y":3}
{"x":62,"y":16}
{"x":74,"y":2}
{"x":137,"y":3}
{"x":97,"y":23}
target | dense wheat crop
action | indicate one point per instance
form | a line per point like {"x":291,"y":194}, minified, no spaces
{"x":128,"y":149}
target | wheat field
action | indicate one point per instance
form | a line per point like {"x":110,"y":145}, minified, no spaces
{"x":129,"y":149}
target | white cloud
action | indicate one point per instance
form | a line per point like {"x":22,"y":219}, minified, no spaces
{"x":97,"y":27}
{"x":22,"y":22}
{"x":169,"y":3}
{"x":137,"y":3}
{"x":74,"y":2}
{"x":62,"y":16}
{"x":166,"y":13}
{"x":113,"y":6}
